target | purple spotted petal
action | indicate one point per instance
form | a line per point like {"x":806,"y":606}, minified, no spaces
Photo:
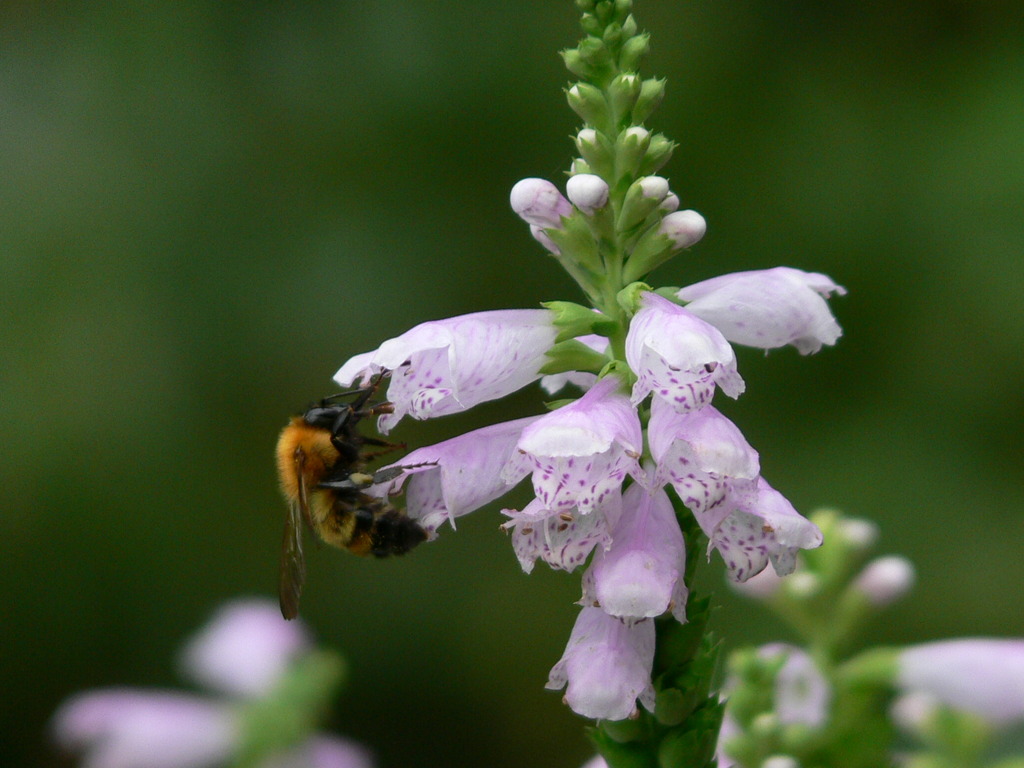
{"x":120,"y":727}
{"x":563,"y":539}
{"x":606,"y":666}
{"x":768,"y":308}
{"x":447,"y":366}
{"x":455,"y":477}
{"x":641,"y":574}
{"x":705,"y":457}
{"x":766,"y":529}
{"x":984,"y":676}
{"x":582,"y":452}
{"x":678,"y":356}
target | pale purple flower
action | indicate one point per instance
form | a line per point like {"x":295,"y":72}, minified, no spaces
{"x":885,"y":580}
{"x":760,"y":529}
{"x":446,"y":366}
{"x":244,"y":649}
{"x":678,"y":356}
{"x":538,"y":202}
{"x":706,"y":459}
{"x":983,"y":676}
{"x":802,"y":695}
{"x":583,"y":451}
{"x":323,"y":752}
{"x":606,"y":666}
{"x":457,"y":476}
{"x":768,"y":308}
{"x":563,"y":539}
{"x":242,"y":652}
{"x":587,"y":192}
{"x":641,"y":574}
{"x":125,"y":728}
{"x":683,"y":228}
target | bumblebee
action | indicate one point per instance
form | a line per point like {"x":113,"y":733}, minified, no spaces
{"x":320,"y":464}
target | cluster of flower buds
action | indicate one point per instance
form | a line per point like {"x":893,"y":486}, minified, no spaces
{"x":269,"y":686}
{"x":801,"y":703}
{"x":615,"y":470}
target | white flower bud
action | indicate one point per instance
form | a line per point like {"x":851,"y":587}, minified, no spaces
{"x":886,"y":580}
{"x":654,"y":187}
{"x":780,"y":761}
{"x":859,"y":533}
{"x":685,"y":228}
{"x":670,"y":203}
{"x":538,"y":202}
{"x":587,"y":192}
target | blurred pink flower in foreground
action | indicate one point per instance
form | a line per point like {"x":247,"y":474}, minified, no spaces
{"x":241,"y":654}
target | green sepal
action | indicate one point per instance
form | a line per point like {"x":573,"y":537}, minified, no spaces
{"x":659,"y":151}
{"x":613,"y":35}
{"x":694,"y":743}
{"x":651,"y":251}
{"x":636,"y":207}
{"x":574,"y":320}
{"x":575,"y":63}
{"x":629,"y":25}
{"x":576,"y":242}
{"x":623,"y":93}
{"x":652,"y":91}
{"x":668,"y":292}
{"x":579,"y":165}
{"x":630,"y":149}
{"x":291,"y":712}
{"x":629,"y":297}
{"x":874,"y":668}
{"x":590,"y":104}
{"x":572,"y":355}
{"x":598,"y":154}
{"x":631,"y":754}
{"x":620,"y":369}
{"x":633,"y":50}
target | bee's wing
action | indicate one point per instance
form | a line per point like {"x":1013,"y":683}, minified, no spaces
{"x":293,"y":564}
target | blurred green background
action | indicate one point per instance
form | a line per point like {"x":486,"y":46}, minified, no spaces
{"x":207,"y":207}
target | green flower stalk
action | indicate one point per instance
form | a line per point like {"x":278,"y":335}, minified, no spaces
{"x":638,"y":476}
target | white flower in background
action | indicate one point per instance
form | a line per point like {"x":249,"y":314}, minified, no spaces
{"x":241,"y":653}
{"x":983,"y":676}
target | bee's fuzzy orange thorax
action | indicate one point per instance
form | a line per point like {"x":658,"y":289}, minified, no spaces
{"x":319,"y":455}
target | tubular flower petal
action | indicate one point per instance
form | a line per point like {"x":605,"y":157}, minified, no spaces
{"x":455,"y":477}
{"x":984,"y":676}
{"x":641,"y":574}
{"x":606,"y":666}
{"x":563,"y":540}
{"x":706,"y":459}
{"x":244,"y":649}
{"x":582,"y":452}
{"x":157,"y":729}
{"x":678,"y":356}
{"x":446,"y":366}
{"x":768,"y":308}
{"x":538,"y":202}
{"x":761,"y":529}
